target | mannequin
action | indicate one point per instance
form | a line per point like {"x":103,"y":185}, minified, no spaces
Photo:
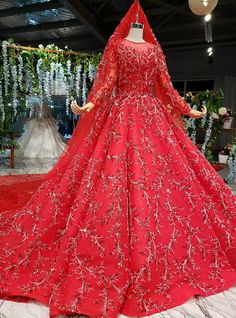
{"x":135,"y":33}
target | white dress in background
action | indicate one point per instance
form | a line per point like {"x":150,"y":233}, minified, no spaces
{"x":41,"y":138}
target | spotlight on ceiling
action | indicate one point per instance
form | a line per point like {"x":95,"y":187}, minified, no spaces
{"x":210,"y":51}
{"x":208,"y":17}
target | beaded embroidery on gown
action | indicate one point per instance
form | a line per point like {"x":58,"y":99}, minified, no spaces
{"x":134,"y":220}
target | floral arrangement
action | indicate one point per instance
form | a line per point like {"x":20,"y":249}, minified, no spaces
{"x":224,"y":113}
{"x":211,"y":123}
{"x":44,"y":71}
{"x":226,"y":150}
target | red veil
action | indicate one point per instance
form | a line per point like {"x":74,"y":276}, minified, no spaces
{"x":102,"y":90}
{"x":104,"y":87}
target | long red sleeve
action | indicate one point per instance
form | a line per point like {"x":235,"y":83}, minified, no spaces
{"x":103,"y":87}
{"x":166,"y":90}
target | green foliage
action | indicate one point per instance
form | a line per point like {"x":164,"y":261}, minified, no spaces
{"x":50,"y":53}
{"x":7,"y":142}
{"x":213,"y":102}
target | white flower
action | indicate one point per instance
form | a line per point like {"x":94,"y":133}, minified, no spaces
{"x":46,"y":84}
{"x":91,"y":71}
{"x":223,"y":111}
{"x":78,"y":79}
{"x":14,"y":88}
{"x":6,"y":66}
{"x":20,"y":72}
{"x":214,"y":115}
{"x":84,"y":87}
{"x":41,"y":78}
{"x":68,"y":63}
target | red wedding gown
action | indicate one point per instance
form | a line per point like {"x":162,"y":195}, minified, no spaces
{"x":133,"y":220}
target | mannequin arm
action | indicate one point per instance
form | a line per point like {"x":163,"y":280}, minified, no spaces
{"x":101,"y":89}
{"x":104,"y":87}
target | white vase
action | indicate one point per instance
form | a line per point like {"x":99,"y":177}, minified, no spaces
{"x":228,"y":122}
{"x":223,"y":158}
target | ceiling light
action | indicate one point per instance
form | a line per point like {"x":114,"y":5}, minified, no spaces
{"x":208,"y":32}
{"x":210,"y":51}
{"x":208,"y":17}
{"x":202,"y":7}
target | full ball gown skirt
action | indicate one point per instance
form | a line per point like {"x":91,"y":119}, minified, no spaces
{"x":41,"y":138}
{"x":134,"y":221}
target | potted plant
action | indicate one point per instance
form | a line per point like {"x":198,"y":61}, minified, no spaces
{"x":209,"y":127}
{"x":7,"y":143}
{"x":224,"y":153}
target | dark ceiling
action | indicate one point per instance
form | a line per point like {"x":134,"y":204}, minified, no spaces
{"x":87,"y":24}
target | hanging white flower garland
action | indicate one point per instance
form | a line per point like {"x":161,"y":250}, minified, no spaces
{"x":20,"y":71}
{"x":232,"y":165}
{"x":14,"y":88}
{"x":78,"y":79}
{"x":28,"y":82}
{"x":193,"y":126}
{"x":2,"y":110}
{"x":208,"y":135}
{"x":46,"y":85}
{"x":46,"y":78}
{"x":6,"y":66}
{"x":52,"y":77}
{"x":40,"y":74}
{"x":68,"y":84}
{"x":84,"y":87}
{"x":91,"y":71}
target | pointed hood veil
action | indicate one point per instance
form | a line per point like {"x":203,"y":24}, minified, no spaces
{"x":107,"y":62}
{"x":106,"y":65}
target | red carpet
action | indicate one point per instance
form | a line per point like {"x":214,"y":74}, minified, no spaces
{"x":16,"y":190}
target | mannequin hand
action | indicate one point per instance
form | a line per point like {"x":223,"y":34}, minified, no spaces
{"x":80,"y":110}
{"x":197,"y":114}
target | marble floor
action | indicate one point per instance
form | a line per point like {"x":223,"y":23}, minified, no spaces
{"x":222,"y":305}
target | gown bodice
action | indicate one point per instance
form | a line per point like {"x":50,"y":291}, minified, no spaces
{"x":136,"y":67}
